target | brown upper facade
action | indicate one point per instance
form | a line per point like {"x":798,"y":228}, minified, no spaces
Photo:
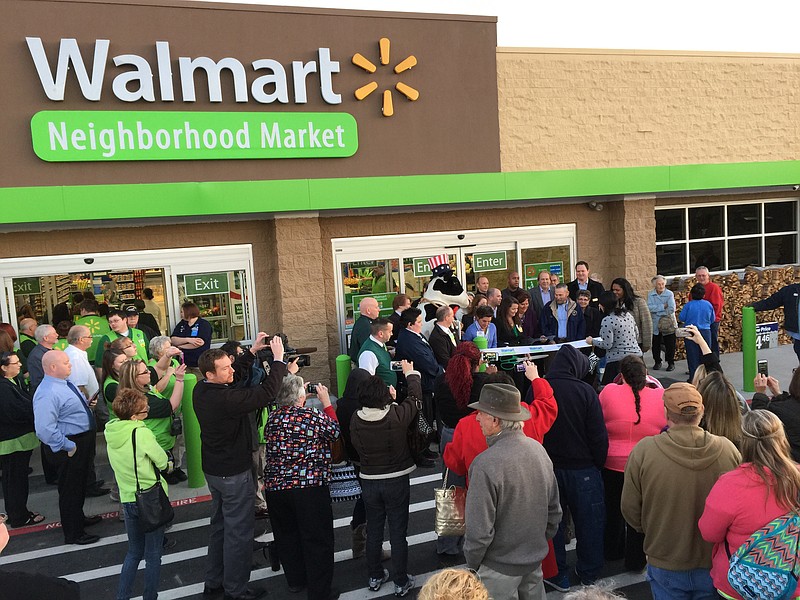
{"x":304,"y":63}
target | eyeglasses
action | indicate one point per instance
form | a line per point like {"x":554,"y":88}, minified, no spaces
{"x":143,"y":412}
{"x":143,"y":373}
{"x":86,"y":337}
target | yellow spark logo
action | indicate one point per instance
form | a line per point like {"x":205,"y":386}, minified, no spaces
{"x":365,"y":90}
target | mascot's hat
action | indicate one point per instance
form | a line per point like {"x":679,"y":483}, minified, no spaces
{"x":440,"y":265}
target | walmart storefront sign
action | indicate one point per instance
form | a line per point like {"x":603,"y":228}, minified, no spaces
{"x":70,"y":136}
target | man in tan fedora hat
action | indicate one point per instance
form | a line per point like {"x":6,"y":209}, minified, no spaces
{"x":512,"y":501}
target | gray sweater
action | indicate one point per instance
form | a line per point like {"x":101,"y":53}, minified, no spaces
{"x":512,"y":505}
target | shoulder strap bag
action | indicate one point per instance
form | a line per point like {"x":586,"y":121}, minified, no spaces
{"x":152,"y":503}
{"x":451,"y":505}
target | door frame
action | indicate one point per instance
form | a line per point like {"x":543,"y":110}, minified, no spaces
{"x":404,"y":246}
{"x":173,"y":261}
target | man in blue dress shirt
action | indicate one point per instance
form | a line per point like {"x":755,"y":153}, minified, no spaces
{"x":66,"y":426}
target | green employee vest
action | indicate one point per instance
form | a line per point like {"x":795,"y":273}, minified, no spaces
{"x":171,"y":383}
{"x":160,"y":426}
{"x":136,"y":336}
{"x":384,"y":368}
{"x":98,"y":327}
{"x":23,"y":339}
{"x":140,"y":341}
{"x":108,"y":400}
{"x":61,"y":344}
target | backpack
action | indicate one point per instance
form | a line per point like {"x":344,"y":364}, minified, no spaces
{"x":766,"y":566}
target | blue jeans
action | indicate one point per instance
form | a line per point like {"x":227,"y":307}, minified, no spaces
{"x":449,"y":544}
{"x":681,"y":585}
{"x":387,"y":499}
{"x":140,"y":545}
{"x":581,"y":490}
{"x":693,"y":351}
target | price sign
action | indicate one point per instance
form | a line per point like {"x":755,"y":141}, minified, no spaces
{"x":767,"y":335}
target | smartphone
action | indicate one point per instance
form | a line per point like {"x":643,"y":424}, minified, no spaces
{"x":311,"y":388}
{"x":179,"y":357}
{"x":762,"y":368}
{"x":490,"y":357}
{"x":94,"y":397}
{"x":682,"y":332}
{"x":396,"y":365}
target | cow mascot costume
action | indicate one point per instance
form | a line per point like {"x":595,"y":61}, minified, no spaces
{"x":444,"y":289}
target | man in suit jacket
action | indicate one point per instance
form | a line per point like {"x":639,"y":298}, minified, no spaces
{"x":412,"y":346}
{"x":442,"y":340}
{"x":582,"y":282}
{"x":542,"y":294}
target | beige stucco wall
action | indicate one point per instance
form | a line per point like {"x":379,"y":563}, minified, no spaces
{"x":562,"y":109}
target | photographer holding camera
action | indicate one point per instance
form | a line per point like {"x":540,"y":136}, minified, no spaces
{"x":226,"y":432}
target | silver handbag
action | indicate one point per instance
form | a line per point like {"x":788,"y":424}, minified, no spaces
{"x":450,"y":509}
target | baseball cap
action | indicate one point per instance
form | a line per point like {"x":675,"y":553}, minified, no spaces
{"x":683,"y":399}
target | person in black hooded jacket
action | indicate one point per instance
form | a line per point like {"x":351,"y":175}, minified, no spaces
{"x":577,"y":443}
{"x":346,"y":407}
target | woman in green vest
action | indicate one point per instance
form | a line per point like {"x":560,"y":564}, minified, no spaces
{"x":17,"y":441}
{"x":163,"y":364}
{"x":112,"y":362}
{"x":134,"y":374}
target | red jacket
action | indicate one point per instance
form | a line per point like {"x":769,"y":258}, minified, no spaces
{"x":714,"y":295}
{"x":469,"y":441}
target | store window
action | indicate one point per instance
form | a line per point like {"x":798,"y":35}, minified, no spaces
{"x":727,"y":236}
{"x":220,"y":298}
{"x":53,"y":298}
{"x":48,"y":286}
{"x":378,"y":278}
{"x":555,"y":259}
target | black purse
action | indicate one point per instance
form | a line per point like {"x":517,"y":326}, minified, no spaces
{"x":152,"y":504}
{"x":419,"y":434}
{"x":175,"y":426}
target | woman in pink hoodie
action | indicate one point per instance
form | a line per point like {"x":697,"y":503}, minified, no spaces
{"x":765,"y":486}
{"x":633,"y":409}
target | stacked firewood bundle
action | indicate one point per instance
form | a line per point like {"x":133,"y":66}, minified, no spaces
{"x":757,"y":284}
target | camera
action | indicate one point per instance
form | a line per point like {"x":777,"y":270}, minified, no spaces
{"x":796,"y":187}
{"x":396,"y":365}
{"x":265,"y":355}
{"x":311,"y":388}
{"x":88,"y":261}
{"x":303,"y":360}
{"x":461,"y":236}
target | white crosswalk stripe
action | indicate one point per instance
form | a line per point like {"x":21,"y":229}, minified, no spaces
{"x":183,"y":570}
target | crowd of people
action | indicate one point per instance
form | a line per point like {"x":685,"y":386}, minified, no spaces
{"x":671,"y":480}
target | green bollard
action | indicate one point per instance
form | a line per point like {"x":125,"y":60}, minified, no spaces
{"x":191,"y":434}
{"x":343,"y":369}
{"x":482,"y":343}
{"x":748,"y":348}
